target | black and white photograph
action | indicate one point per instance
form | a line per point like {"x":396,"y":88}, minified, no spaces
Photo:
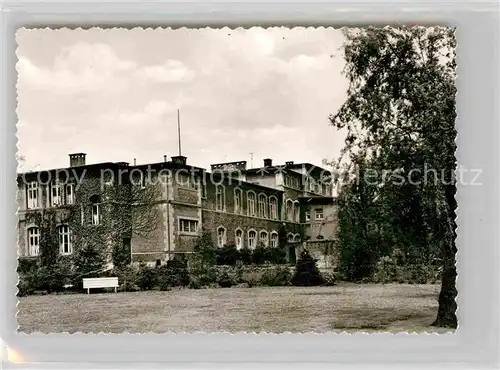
{"x":235,"y":180}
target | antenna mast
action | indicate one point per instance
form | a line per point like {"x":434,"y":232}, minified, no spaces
{"x":179,"y":129}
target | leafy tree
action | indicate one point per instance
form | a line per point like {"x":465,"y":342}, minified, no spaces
{"x":306,"y":271}
{"x":399,"y":117}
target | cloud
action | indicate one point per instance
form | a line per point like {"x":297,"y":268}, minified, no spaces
{"x":170,"y":71}
{"x":115,"y":93}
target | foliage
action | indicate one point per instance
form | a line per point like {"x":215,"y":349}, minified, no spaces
{"x":146,"y":278}
{"x":228,"y":255}
{"x":245,"y":256}
{"x":259,"y":254}
{"x":306,"y":271}
{"x":276,"y":276}
{"x":329,"y":279}
{"x":173,"y":274}
{"x":398,"y":163}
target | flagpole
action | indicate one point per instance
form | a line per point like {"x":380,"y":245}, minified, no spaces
{"x":179,"y":129}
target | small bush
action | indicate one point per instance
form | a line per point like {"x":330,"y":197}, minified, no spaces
{"x":146,"y":278}
{"x":228,"y":255}
{"x":174,"y":273}
{"x":245,"y":256}
{"x":259,"y":254}
{"x":276,"y":276}
{"x":329,"y":279}
{"x":306,"y":271}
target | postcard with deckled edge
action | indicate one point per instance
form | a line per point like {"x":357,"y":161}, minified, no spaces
{"x":236,"y":180}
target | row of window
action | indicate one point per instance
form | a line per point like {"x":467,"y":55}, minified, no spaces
{"x":252,"y":238}
{"x":65,"y":242}
{"x":58,"y":194}
{"x":264,"y":208}
{"x":318,"y":214}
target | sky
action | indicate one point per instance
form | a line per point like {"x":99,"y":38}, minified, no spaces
{"x":114,"y":94}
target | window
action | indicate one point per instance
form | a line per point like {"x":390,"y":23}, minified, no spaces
{"x":289,"y":210}
{"x":32,"y":195}
{"x":96,"y":210}
{"x":312,"y":185}
{"x":296,"y":238}
{"x":56,"y":197}
{"x":184,"y":181}
{"x":262,"y":206}
{"x":274,"y":239}
{"x":188,"y":226}
{"x":289,"y":238}
{"x":264,"y":238}
{"x":308,"y":215}
{"x":273,"y":207}
{"x":65,"y":246}
{"x":252,"y":235}
{"x":237,"y":200}
{"x":33,"y":241}
{"x":296,"y":212}
{"x":319,"y":214}
{"x":221,"y":236}
{"x":70,"y":194}
{"x":251,"y":203}
{"x":324,"y":189}
{"x":219,"y":198}
{"x":238,"y":239}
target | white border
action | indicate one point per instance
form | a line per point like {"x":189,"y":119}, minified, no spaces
{"x":476,"y":342}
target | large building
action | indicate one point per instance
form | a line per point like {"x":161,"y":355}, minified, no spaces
{"x":158,"y":210}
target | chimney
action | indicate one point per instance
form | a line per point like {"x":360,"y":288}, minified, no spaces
{"x":179,"y":159}
{"x":164,"y":158}
{"x":268,"y":162}
{"x":135,"y":162}
{"x":289,"y":163}
{"x":77,"y":159}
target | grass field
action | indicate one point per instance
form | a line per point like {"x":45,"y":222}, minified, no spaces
{"x":351,"y":307}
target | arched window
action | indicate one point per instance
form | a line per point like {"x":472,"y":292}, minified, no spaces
{"x":65,"y":245}
{"x":264,"y":238}
{"x":273,"y":207}
{"x":96,"y":209}
{"x":262,"y":206}
{"x":296,"y":211}
{"x":33,"y":241}
{"x":238,"y":238}
{"x":221,"y":236}
{"x":289,"y":210}
{"x":237,"y":201}
{"x":296,"y":238}
{"x":252,"y":236}
{"x":274,"y":239}
{"x":219,"y":198}
{"x":289,"y":237}
{"x":251,"y":203}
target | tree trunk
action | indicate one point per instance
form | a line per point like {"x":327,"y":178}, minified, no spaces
{"x":446,"y":316}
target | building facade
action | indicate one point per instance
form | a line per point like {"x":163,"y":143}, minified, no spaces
{"x":157,"y":211}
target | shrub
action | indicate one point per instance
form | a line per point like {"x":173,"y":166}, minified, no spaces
{"x":259,"y":254}
{"x":276,"y":276}
{"x":275,"y":255}
{"x":225,"y":281}
{"x":127,"y":278}
{"x":227,"y":255}
{"x":251,"y":277}
{"x":329,"y":279}
{"x":146,"y":278}
{"x":174,"y":273}
{"x":306,"y":271}
{"x":245,"y":256}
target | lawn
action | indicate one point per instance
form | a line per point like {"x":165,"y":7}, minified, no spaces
{"x":351,"y":307}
